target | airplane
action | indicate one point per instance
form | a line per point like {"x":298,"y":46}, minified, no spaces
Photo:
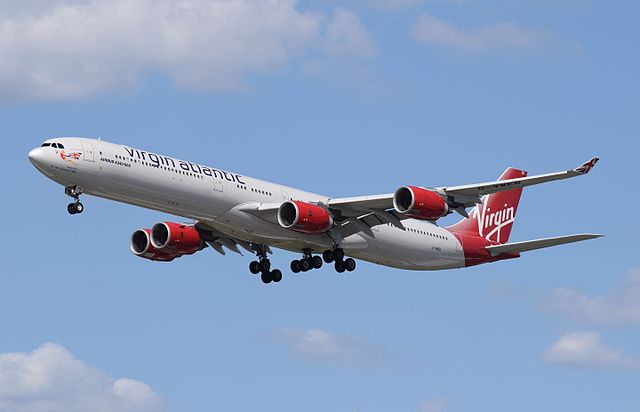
{"x":228,"y":211}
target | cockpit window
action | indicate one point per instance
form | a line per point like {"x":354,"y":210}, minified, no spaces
{"x":60,"y":146}
{"x":45,"y":144}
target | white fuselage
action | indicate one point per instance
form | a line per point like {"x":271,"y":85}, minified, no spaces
{"x":216,"y":197}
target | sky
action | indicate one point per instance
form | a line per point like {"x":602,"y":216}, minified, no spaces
{"x":342,"y":98}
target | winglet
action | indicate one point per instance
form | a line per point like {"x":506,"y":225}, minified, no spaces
{"x":586,"y":167}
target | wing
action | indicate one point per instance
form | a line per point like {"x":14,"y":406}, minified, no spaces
{"x":528,"y":245}
{"x":360,"y":214}
{"x":216,"y":240}
{"x":468,"y":195}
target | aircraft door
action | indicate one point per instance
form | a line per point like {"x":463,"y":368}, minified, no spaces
{"x":218,"y":187}
{"x":87,"y":152}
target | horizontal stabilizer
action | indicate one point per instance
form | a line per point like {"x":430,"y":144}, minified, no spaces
{"x":528,"y":245}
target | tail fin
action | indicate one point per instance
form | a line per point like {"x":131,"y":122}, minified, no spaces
{"x":493,"y":218}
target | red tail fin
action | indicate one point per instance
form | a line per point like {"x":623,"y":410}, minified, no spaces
{"x":494,"y":218}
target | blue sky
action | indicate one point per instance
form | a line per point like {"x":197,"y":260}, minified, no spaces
{"x":341,"y":98}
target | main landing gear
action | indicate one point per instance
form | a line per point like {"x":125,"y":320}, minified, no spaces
{"x":75,"y":207}
{"x":341,"y":264}
{"x":307,"y":262}
{"x":263,"y":266}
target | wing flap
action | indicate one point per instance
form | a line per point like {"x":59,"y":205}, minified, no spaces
{"x":517,"y":247}
{"x":353,"y":205}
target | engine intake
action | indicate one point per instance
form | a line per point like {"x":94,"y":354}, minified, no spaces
{"x":420,"y":203}
{"x":304,"y":217}
{"x":141,"y":246}
{"x":176,"y":238}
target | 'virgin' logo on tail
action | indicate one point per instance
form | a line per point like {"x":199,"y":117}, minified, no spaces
{"x":494,"y":221}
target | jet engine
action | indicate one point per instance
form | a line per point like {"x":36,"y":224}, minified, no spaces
{"x":181,"y":239}
{"x":141,"y":246}
{"x":304,"y":217}
{"x":420,"y":203}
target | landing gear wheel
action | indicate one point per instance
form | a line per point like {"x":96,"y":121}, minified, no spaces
{"x":266,"y":277}
{"x":276,"y":275}
{"x":327,"y":255}
{"x":254,"y":267}
{"x":295,"y":266}
{"x":340,"y":266}
{"x":350,"y":264}
{"x":79,"y":207}
{"x":338,"y":254}
{"x":305,"y":265}
{"x":265,"y":265}
{"x":316,"y":262}
{"x":71,"y":208}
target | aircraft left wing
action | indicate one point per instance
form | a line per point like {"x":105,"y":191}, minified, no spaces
{"x":375,"y":210}
{"x":469,"y":195}
{"x":517,"y":247}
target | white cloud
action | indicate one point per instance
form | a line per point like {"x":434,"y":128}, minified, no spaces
{"x":585,"y":350}
{"x":496,"y":38}
{"x":394,"y":4}
{"x":76,"y":49}
{"x":433,"y":405}
{"x":347,"y":37}
{"x":50,"y":379}
{"x":320,"y":345}
{"x":621,"y":305}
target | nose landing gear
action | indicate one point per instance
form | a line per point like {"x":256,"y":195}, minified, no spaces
{"x":75,"y":207}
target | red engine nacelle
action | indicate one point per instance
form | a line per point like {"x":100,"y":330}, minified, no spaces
{"x":304,"y":217}
{"x":176,"y":238}
{"x":141,"y":246}
{"x":420,"y":203}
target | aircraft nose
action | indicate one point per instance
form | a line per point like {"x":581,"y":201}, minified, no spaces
{"x":37,"y":156}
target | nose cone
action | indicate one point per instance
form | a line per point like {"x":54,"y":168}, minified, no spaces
{"x":37,"y":157}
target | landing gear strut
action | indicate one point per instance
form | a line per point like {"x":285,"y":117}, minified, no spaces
{"x":263,"y":266}
{"x":75,"y":207}
{"x":307,"y":262}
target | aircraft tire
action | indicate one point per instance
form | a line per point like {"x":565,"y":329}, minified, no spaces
{"x":276,"y":275}
{"x":295,"y":266}
{"x":327,"y":255}
{"x":266,"y":277}
{"x":254,"y":267}
{"x":305,"y":265}
{"x":350,"y":264}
